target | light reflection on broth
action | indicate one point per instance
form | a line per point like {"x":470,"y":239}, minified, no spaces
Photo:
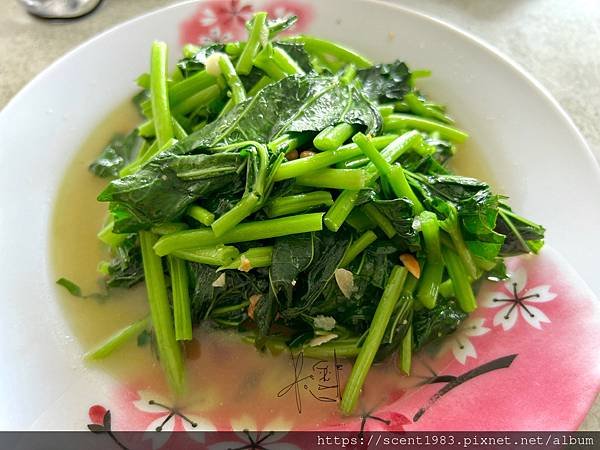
{"x":227,"y":379}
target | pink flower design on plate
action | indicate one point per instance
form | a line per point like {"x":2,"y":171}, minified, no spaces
{"x":390,"y":421}
{"x":216,"y":21}
{"x":460,"y":342}
{"x":517,"y":300}
{"x":282,"y":9}
{"x":271,"y":438}
{"x":216,"y":36}
{"x":167,"y":419}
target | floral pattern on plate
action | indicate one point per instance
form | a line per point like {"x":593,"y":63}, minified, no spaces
{"x":218,"y":21}
{"x":482,"y":363}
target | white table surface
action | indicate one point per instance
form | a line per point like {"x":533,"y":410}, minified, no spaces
{"x":557,"y":41}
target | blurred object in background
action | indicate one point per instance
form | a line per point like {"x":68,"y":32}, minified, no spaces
{"x":60,"y":9}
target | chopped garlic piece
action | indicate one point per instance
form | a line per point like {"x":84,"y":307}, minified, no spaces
{"x":212,"y":64}
{"x":318,"y":340}
{"x":219,"y":282}
{"x":345,"y":281}
{"x":254,"y":299}
{"x":324,"y":323}
{"x":245,"y":264}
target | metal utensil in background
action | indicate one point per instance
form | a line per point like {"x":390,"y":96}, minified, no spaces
{"x":60,"y":9}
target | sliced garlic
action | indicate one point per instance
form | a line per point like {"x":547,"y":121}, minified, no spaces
{"x":219,"y":282}
{"x":345,"y":281}
{"x":318,"y":340}
{"x":325,"y":323}
{"x":212,"y":64}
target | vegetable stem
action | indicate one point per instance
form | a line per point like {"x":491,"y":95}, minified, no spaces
{"x":117,"y":340}
{"x":460,"y":281}
{"x":353,"y":179}
{"x":238,"y":92}
{"x":346,"y":348}
{"x":397,"y":122}
{"x":341,"y":208}
{"x":168,"y":228}
{"x":294,"y":204}
{"x":253,"y":258}
{"x":431,"y":277}
{"x":367,"y":353}
{"x":259,"y":86}
{"x":258,"y":34}
{"x":168,"y":348}
{"x":345,"y":202}
{"x":250,"y":231}
{"x":382,"y":222}
{"x":181,"y":298}
{"x":200,"y":214}
{"x":417,"y":107}
{"x":322,"y":46}
{"x":235,"y":215}
{"x":161,"y":111}
{"x":254,"y":195}
{"x":107,"y":236}
{"x":393,"y":174}
{"x":302,"y":166}
{"x":406,"y":351}
{"x":144,"y":159}
{"x":285,"y":62}
{"x":357,"y":247}
{"x":218,"y":255}
{"x":199,"y":99}
{"x":229,"y":309}
{"x":332,"y":138}
{"x":452,"y":226}
{"x":286,"y":144}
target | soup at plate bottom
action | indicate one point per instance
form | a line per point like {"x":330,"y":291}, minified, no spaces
{"x":229,"y":382}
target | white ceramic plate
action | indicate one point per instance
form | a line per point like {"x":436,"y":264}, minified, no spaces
{"x":529,"y":145}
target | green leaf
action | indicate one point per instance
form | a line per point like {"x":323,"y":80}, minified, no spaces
{"x":75,"y":290}
{"x":70,"y":286}
{"x":238,"y":287}
{"x":434,"y":324}
{"x":295,"y":104}
{"x":452,"y":188}
{"x":522,"y":235}
{"x":126,"y":268}
{"x":291,"y":256}
{"x":162,"y":190}
{"x":386,"y":83}
{"x":400,"y":213}
{"x":264,"y":316}
{"x":144,"y":338}
{"x":202,"y":278}
{"x":120,"y":152}
{"x":329,"y":251}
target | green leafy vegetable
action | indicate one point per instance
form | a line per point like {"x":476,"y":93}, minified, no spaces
{"x":385,"y":83}
{"x":296,"y":104}
{"x":73,"y":288}
{"x":162,"y":190}
{"x":248,"y":151}
{"x":121,"y":151}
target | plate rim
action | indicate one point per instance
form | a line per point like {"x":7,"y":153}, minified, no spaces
{"x":516,"y":68}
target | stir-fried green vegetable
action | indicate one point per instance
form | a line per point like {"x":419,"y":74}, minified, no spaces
{"x":296,"y":189}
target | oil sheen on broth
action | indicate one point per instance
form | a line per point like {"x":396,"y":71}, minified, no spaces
{"x":227,"y":380}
